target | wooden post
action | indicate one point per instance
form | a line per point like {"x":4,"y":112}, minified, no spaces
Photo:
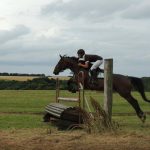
{"x":83,"y":92}
{"x":57,"y":90}
{"x":108,"y":75}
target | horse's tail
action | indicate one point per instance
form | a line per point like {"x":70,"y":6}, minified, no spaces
{"x":139,"y":86}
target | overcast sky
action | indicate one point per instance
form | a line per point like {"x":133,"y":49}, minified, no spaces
{"x":34,"y":32}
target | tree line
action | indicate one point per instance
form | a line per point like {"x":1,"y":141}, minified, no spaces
{"x":44,"y":83}
{"x":21,"y":74}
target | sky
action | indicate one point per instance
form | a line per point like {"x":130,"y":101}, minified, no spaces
{"x":34,"y":32}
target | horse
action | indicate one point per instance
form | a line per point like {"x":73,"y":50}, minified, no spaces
{"x":123,"y":85}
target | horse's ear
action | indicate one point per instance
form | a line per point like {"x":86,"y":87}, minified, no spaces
{"x":60,"y":56}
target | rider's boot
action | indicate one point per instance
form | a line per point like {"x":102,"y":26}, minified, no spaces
{"x":93,"y":78}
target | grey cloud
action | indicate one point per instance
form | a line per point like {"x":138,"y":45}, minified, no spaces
{"x":8,"y":35}
{"x":26,"y":63}
{"x":86,"y":9}
{"x":39,"y":52}
{"x":116,"y":35}
{"x":138,"y":11}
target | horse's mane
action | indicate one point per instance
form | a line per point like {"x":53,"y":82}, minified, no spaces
{"x":73,"y":58}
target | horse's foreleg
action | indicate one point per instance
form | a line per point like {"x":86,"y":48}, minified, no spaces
{"x":134,"y":103}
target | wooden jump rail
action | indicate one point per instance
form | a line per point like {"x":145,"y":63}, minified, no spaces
{"x":62,"y":112}
{"x":71,"y":99}
{"x":55,"y":109}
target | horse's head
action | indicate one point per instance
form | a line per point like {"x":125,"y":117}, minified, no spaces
{"x":61,"y":65}
{"x":64,"y":63}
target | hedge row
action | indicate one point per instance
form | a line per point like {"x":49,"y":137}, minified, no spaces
{"x":44,"y":83}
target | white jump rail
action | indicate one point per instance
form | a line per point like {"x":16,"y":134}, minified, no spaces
{"x":68,"y":99}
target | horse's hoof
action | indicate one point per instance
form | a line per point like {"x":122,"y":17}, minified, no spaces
{"x":143,"y":118}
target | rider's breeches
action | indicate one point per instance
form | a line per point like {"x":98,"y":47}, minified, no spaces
{"x":96,"y":64}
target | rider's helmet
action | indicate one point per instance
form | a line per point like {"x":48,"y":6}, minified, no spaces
{"x":80,"y":52}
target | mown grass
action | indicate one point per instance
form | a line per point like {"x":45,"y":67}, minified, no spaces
{"x":34,"y":101}
{"x":17,"y":121}
{"x":25,"y":101}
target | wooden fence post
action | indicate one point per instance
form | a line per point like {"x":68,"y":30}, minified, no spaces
{"x":108,"y":83}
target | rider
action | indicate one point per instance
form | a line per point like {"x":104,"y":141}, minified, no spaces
{"x":87,"y":59}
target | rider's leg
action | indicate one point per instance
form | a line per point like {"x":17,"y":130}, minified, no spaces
{"x":93,"y":74}
{"x":96,"y":64}
{"x":93,"y":71}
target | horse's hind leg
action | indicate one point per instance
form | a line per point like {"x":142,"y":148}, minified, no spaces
{"x":136,"y":106}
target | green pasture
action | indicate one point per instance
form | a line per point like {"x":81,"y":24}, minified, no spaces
{"x":25,"y":108}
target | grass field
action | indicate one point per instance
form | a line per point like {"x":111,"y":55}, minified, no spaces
{"x":36,"y":100}
{"x":28,"y":104}
{"x":21,"y":125}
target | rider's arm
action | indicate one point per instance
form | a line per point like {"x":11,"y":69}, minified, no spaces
{"x":85,"y":65}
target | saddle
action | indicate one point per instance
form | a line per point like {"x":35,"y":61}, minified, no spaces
{"x":97,"y":72}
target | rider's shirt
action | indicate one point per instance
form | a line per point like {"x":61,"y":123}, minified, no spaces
{"x":82,"y":61}
{"x":90,"y":58}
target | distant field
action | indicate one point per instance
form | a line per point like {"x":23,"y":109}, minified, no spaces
{"x":25,"y":78}
{"x":17,"y":78}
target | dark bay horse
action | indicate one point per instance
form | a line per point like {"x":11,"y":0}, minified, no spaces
{"x":121,"y":84}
